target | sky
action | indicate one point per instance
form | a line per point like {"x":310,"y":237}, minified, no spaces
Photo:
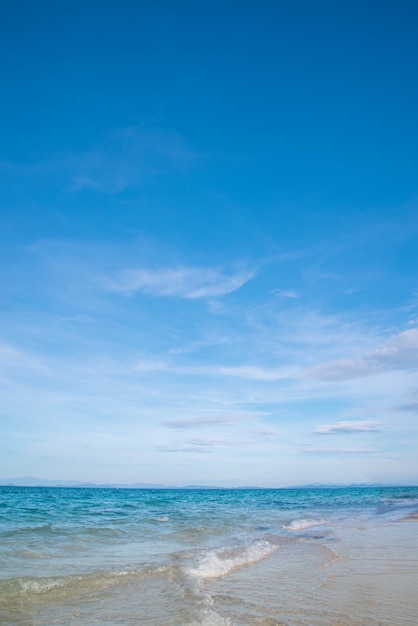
{"x":209,"y":241}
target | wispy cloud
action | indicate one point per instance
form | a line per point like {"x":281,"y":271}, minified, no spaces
{"x":122,"y":158}
{"x":12,"y":357}
{"x":412,"y":406}
{"x":225,"y":386}
{"x":253,"y":373}
{"x":283,"y":293}
{"x":263,"y":433}
{"x":344,"y":369}
{"x":205,"y":442}
{"x":202,"y":422}
{"x":400,"y":352}
{"x":127,"y":157}
{"x":181,"y":450}
{"x":337,"y":451}
{"x":248,"y":372}
{"x":347,"y":428}
{"x":184,"y":282}
{"x":195,"y":346}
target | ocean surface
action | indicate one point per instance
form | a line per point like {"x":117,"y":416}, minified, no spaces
{"x":112,"y":557}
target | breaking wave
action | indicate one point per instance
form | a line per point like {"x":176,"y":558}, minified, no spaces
{"x":304,"y":524}
{"x":216,"y":563}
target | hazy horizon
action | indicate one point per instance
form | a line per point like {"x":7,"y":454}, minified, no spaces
{"x":36,"y":482}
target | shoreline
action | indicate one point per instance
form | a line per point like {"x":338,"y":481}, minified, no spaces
{"x":411,"y":518}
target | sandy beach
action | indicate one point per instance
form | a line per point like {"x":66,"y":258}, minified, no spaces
{"x":411,"y":518}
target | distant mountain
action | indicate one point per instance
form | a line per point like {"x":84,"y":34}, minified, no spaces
{"x":341,"y":485}
{"x":30,"y":481}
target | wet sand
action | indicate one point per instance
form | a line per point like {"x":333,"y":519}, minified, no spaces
{"x":411,"y":518}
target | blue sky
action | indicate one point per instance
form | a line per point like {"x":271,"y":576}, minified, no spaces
{"x":209,"y":241}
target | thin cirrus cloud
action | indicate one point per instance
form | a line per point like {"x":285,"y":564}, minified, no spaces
{"x":184,"y":282}
{"x":123,"y":158}
{"x":11,"y":357}
{"x":213,"y":420}
{"x":337,"y":451}
{"x":187,"y":450}
{"x":348,"y":428}
{"x":254,"y":373}
{"x":283,"y":293}
{"x":412,"y":406}
{"x":202,"y":422}
{"x":218,"y":443}
{"x":249,"y":372}
{"x":400,"y":352}
{"x":128,"y":157}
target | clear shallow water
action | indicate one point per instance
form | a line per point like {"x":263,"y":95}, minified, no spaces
{"x":211,"y":557}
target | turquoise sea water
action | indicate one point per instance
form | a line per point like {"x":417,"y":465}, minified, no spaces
{"x":212,"y":557}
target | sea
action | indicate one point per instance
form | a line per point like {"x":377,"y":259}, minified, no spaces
{"x":212,"y":557}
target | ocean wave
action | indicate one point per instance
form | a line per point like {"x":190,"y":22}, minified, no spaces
{"x":32,"y":585}
{"x":210,"y":618}
{"x":24,"y":530}
{"x":304,"y":524}
{"x":35,"y":586}
{"x":401,"y":504}
{"x":29,"y":554}
{"x":217,"y":563}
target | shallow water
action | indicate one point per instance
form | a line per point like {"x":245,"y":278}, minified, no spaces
{"x":211,"y":557}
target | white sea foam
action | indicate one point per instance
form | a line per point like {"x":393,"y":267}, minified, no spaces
{"x":163,"y":518}
{"x":30,"y":554}
{"x":41,"y":585}
{"x":304,"y":524}
{"x":38,"y":585}
{"x":216,"y":563}
{"x":212,"y":619}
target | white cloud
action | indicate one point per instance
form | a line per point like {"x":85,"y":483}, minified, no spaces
{"x":206,"y":342}
{"x":337,"y":451}
{"x":346,"y":428}
{"x":249,"y":372}
{"x":263,"y":433}
{"x":200,"y":449}
{"x":184,"y":282}
{"x":412,"y":406}
{"x":11,"y":357}
{"x":150,"y":366}
{"x":201,"y":441}
{"x":285,"y":294}
{"x":400,"y":352}
{"x":344,"y":369}
{"x":253,"y":373}
{"x":126,"y":158}
{"x":211,"y":420}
